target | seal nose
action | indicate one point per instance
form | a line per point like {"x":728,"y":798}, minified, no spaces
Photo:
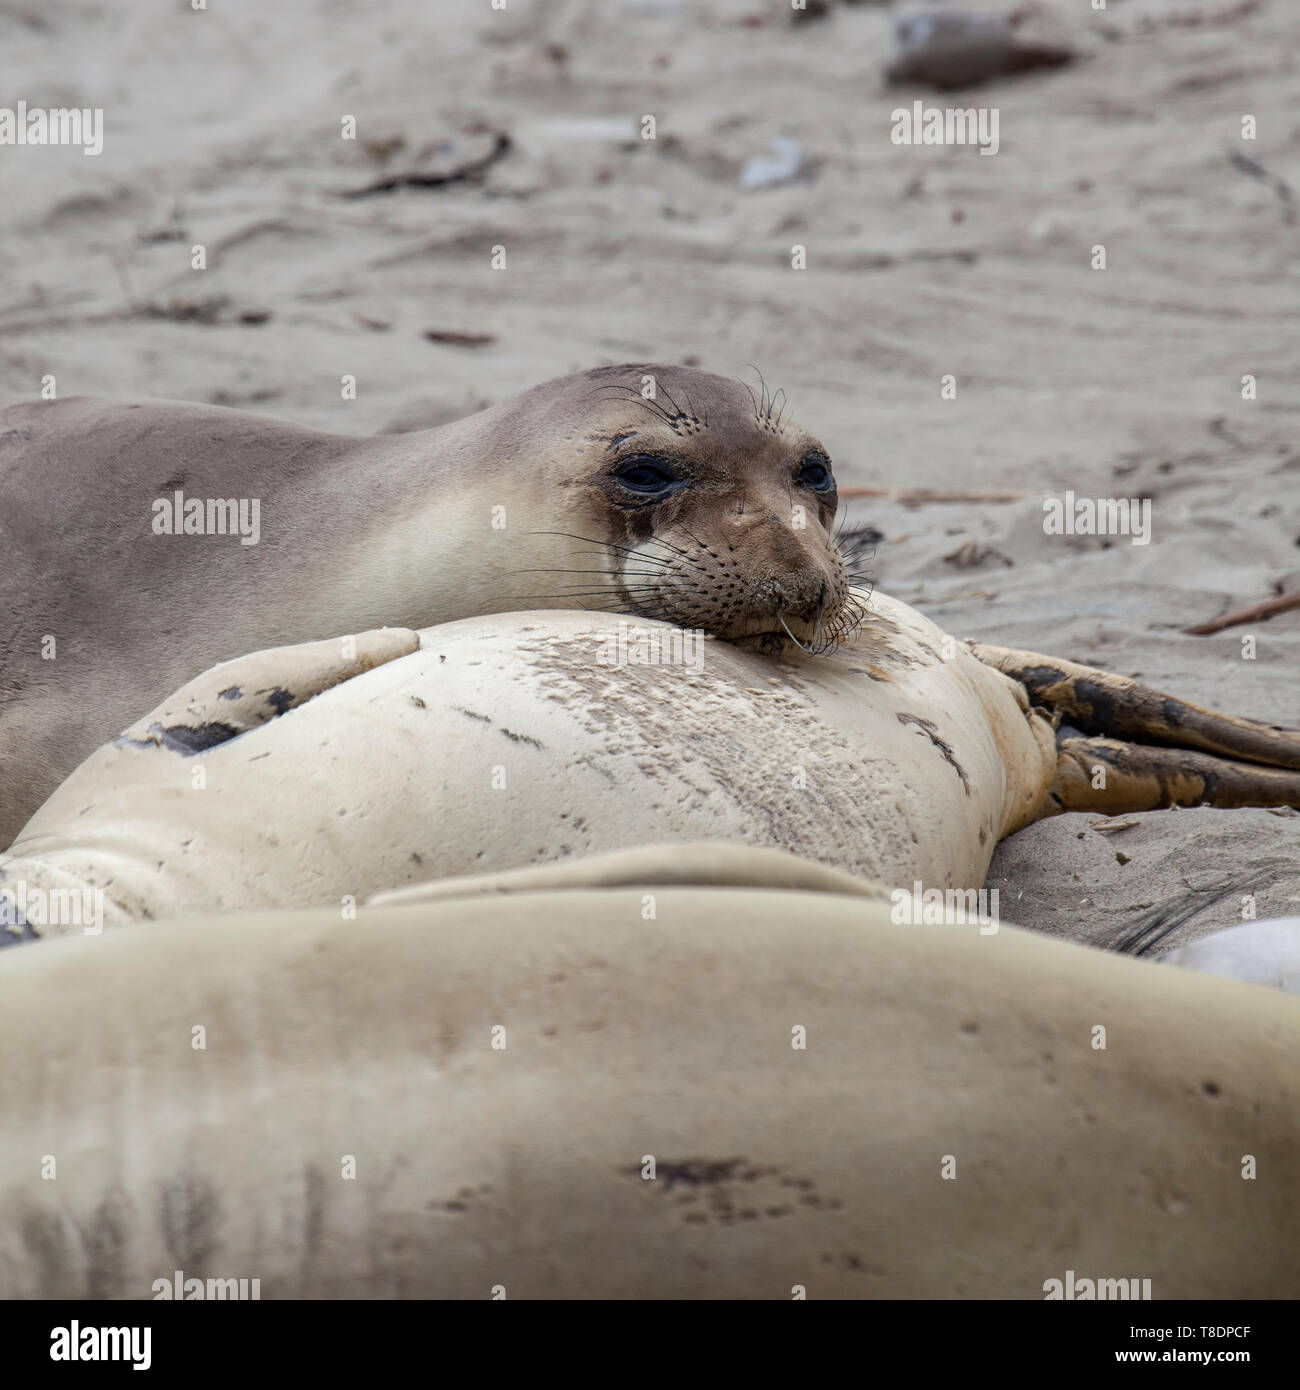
{"x":799,"y":596}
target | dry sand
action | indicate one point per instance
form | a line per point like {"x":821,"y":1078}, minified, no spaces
{"x":223,"y":128}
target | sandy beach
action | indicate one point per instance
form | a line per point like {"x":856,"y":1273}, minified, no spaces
{"x":224,"y":128}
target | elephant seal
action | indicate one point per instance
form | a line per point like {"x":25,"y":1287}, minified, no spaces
{"x":551,"y":1094}
{"x":145,"y":542}
{"x":494,"y":744}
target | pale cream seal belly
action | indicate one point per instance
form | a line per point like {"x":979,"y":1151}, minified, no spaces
{"x":641,"y":1091}
{"x":492,"y":744}
{"x":332,"y":771}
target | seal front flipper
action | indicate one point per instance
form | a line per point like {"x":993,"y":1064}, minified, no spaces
{"x":56,"y":860}
{"x":1126,"y":747}
{"x":239,"y":695}
{"x":1110,"y":776}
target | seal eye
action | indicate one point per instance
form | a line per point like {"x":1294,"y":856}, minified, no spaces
{"x":646,"y":474}
{"x":815,"y":472}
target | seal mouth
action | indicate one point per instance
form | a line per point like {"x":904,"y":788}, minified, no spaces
{"x":696,"y":589}
{"x":820,"y":634}
{"x":813,"y":637}
{"x":818,"y":627}
{"x":773,"y":642}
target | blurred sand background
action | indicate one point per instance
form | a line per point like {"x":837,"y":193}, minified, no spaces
{"x":222,"y":127}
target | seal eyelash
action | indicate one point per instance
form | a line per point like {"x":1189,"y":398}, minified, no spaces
{"x":766,"y":415}
{"x":681,"y":422}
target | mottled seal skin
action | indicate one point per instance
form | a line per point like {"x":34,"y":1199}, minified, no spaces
{"x":1123,"y":746}
{"x":499,"y":743}
{"x":499,"y":1068}
{"x":646,"y":488}
{"x":522,"y":739}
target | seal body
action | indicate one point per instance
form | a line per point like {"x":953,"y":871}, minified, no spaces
{"x":550,"y":1094}
{"x":523,"y":740}
{"x":146,"y":542}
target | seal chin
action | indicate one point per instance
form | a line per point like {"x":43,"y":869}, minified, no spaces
{"x":771,"y":644}
{"x":782,"y":633}
{"x":771,"y":633}
{"x":812,"y":611}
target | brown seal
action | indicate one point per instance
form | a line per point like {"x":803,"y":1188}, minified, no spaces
{"x":148,"y":541}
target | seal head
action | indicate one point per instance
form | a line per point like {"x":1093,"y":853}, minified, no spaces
{"x":709,"y":509}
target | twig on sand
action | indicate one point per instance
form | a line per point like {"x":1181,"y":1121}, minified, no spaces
{"x":415,"y":179}
{"x":1258,"y":612}
{"x":1257,"y":171}
{"x":919,"y":496}
{"x":445,"y":335}
{"x":1187,"y":18}
{"x":119,"y":266}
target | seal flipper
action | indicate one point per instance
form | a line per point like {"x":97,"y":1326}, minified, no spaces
{"x":1146,"y":750}
{"x":1110,"y":776}
{"x":1099,"y":702}
{"x":239,"y":695}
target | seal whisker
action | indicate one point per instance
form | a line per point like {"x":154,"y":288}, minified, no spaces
{"x":658,"y":540}
{"x":604,"y":589}
{"x":698,"y":542}
{"x":636,"y":573}
{"x":780,"y":392}
{"x":780,"y":617}
{"x":820,"y":623}
{"x":628,"y":591}
{"x":631,"y":554}
{"x":584,"y":606}
{"x":677,"y":410}
{"x":683,"y":555}
{"x":650,"y":403}
{"x":752,"y":397}
{"x":761,"y":413}
{"x":591,"y":540}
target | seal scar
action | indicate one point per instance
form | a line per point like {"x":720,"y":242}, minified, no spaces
{"x":520,"y":738}
{"x":188,"y":739}
{"x":17,"y":930}
{"x":618,"y":439}
{"x":927,"y":726}
{"x":185,"y":739}
{"x":693,"y":1171}
{"x":469,"y":714}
